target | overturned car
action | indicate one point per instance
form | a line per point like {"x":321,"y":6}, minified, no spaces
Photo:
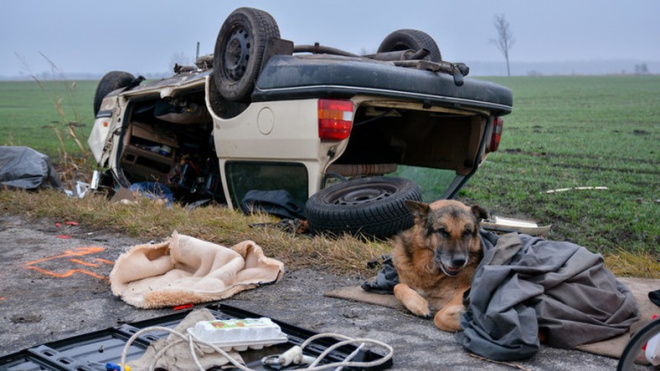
{"x":322,"y":126}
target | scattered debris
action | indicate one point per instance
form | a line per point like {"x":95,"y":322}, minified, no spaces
{"x":65,"y":225}
{"x":152,"y":190}
{"x":500,"y":224}
{"x":123,"y":195}
{"x":183,"y":306}
{"x":71,"y":223}
{"x":642,"y":201}
{"x":574,"y":189}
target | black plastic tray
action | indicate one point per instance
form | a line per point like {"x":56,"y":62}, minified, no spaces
{"x":91,"y":351}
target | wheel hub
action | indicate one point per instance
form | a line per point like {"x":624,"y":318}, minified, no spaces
{"x":237,"y":54}
{"x":362,"y":196}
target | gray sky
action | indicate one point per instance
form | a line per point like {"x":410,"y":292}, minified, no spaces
{"x":143,"y":36}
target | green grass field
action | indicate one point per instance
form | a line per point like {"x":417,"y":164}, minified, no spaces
{"x":574,"y":131}
{"x":565,"y":132}
{"x":30,"y":112}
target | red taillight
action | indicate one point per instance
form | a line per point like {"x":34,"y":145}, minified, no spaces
{"x":496,"y":134}
{"x":335,"y":119}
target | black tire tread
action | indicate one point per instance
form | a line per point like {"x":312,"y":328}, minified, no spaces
{"x":404,"y":39}
{"x":111,"y":81}
{"x":264,"y":27}
{"x":380,"y":219}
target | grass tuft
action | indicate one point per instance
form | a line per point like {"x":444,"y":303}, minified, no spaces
{"x":151,"y":220}
{"x":624,"y":263}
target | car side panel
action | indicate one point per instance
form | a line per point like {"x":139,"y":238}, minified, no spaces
{"x":279,"y":131}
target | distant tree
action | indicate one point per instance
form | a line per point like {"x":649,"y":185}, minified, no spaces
{"x":641,"y":69}
{"x":365,"y":51}
{"x":504,"y":40}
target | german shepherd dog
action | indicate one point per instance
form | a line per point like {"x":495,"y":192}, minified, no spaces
{"x":436,"y":259}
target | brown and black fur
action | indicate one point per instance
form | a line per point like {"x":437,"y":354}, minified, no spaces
{"x":436,"y":259}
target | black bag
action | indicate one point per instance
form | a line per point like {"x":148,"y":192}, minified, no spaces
{"x":278,"y":203}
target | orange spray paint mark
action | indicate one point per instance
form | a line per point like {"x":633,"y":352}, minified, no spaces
{"x":81,"y":262}
{"x":70,"y":255}
{"x":106,"y":261}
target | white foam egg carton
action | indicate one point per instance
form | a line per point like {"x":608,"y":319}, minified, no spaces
{"x":239,"y":334}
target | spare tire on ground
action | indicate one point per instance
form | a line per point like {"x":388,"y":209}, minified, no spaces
{"x":367,"y":207}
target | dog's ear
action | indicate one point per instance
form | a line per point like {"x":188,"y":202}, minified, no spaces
{"x":419,"y":210}
{"x":479,"y":212}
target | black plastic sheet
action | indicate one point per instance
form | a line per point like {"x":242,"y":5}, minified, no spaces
{"x":23,"y":167}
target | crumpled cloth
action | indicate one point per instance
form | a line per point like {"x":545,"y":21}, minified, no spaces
{"x":526,"y":285}
{"x":178,"y":357}
{"x":184,"y":269}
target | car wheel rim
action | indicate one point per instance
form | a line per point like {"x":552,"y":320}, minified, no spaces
{"x":361,"y":196}
{"x":237,"y":54}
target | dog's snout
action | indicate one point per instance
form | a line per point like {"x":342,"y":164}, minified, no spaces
{"x":453,"y":258}
{"x":459,"y":261}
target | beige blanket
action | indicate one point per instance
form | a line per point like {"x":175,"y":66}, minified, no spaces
{"x":184,"y":270}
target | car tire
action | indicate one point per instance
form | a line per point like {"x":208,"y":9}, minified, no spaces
{"x":111,"y":81}
{"x":405,"y":39}
{"x":368,"y":207}
{"x":239,"y":51}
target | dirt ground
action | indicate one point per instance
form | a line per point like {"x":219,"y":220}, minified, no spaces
{"x":54,"y":286}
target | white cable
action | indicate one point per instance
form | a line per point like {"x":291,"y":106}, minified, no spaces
{"x":183,"y":338}
{"x":346,"y":342}
{"x":351,"y":356}
{"x":194,"y":342}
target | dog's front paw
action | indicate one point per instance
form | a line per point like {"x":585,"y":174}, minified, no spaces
{"x":449,"y":317}
{"x":416,"y":304}
{"x":420,"y":308}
